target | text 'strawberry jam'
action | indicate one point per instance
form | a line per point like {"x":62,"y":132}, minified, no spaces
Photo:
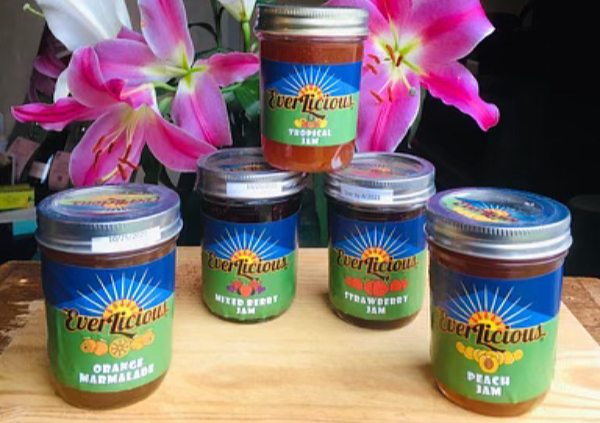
{"x":311,"y":60}
{"x":496,"y":277}
{"x":378,"y":248}
{"x":108,"y":273}
{"x":249,"y":243}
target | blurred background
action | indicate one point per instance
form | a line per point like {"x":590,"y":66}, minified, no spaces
{"x":531,"y":67}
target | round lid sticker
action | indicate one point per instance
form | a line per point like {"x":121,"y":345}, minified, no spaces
{"x":378,"y":167}
{"x":106,"y":202}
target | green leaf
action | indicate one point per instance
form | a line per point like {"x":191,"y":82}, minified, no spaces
{"x":164,"y":105}
{"x":248,"y":96}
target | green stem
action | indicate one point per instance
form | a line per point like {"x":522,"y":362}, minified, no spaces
{"x":28,"y":8}
{"x":247,"y":34}
{"x":164,"y":86}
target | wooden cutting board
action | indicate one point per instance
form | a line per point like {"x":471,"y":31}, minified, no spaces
{"x":306,"y":366}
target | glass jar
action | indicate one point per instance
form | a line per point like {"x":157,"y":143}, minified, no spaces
{"x":377,"y":243}
{"x":496,"y":277}
{"x":249,"y":243}
{"x":108,"y":274}
{"x":311,"y":60}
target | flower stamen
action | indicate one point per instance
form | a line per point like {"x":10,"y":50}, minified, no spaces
{"x":377,"y":96}
{"x":372,"y":68}
{"x":375,"y":58}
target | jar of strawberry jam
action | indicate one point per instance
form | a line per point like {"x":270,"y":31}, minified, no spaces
{"x":108,"y":274}
{"x":311,"y":60}
{"x":496,"y":277}
{"x":249,"y":242}
{"x":378,"y":249}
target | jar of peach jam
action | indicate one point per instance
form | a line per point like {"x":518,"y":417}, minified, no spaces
{"x":311,"y":60}
{"x":108,"y":274}
{"x":496,"y":277}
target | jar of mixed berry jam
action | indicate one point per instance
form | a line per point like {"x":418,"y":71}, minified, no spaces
{"x":496,"y":276}
{"x":377,"y":243}
{"x":311,"y":59}
{"x":108,"y":273}
{"x":249,"y":243}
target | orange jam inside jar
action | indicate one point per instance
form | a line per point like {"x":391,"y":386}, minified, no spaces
{"x":377,"y":244}
{"x":496,"y":279}
{"x":311,"y":60}
{"x":108,"y":274}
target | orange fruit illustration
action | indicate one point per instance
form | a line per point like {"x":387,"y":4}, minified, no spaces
{"x":88,"y":346}
{"x":508,"y":357}
{"x":518,"y":354}
{"x":101,"y":348}
{"x":148,"y":338}
{"x":488,"y":362}
{"x":119,"y":348}
{"x":460,"y":347}
{"x":469,"y":353}
{"x":246,"y":291}
{"x":137,"y":343}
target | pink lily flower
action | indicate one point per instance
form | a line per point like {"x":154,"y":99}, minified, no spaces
{"x":413,"y":44}
{"x":167,"y":53}
{"x":126,"y":120}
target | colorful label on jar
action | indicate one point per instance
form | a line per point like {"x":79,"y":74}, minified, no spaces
{"x":109,"y":330}
{"x":249,"y":269}
{"x":377,"y":270}
{"x":492,"y":211}
{"x":494,"y":340}
{"x":308,"y":104}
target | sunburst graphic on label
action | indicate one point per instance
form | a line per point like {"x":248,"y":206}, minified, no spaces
{"x":126,"y":296}
{"x":475,"y":308}
{"x":310,"y":80}
{"x":484,"y":212}
{"x":378,"y":244}
{"x":250,"y":247}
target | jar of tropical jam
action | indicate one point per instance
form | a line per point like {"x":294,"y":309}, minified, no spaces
{"x":108,"y":274}
{"x":377,"y":245}
{"x":249,"y":243}
{"x":496,"y":277}
{"x":311,"y":60}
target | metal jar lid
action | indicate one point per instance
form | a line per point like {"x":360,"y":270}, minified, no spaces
{"x":498,"y":223}
{"x":108,"y":219}
{"x":383,"y":179}
{"x":312,"y":21}
{"x":243,"y":174}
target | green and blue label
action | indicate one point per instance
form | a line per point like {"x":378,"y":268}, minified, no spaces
{"x":249,"y":269}
{"x":309,"y":104}
{"x":494,"y":340}
{"x":109,"y":330}
{"x":377,"y":270}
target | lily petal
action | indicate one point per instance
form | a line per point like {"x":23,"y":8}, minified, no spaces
{"x":49,"y":65}
{"x":164,"y":25}
{"x":232,"y":67}
{"x":61,"y":89}
{"x":454,"y":85}
{"x":86,"y":81}
{"x":96,"y":157}
{"x":448,"y":30}
{"x":128,"y":34}
{"x":377,"y":22}
{"x":199,"y":108}
{"x":241,"y":10}
{"x":58,"y":115}
{"x":172,"y":146}
{"x":130,"y":60}
{"x":396,"y":11}
{"x":383,"y":122}
{"x":79,"y":23}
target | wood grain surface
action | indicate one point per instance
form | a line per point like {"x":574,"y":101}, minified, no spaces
{"x":306,"y":366}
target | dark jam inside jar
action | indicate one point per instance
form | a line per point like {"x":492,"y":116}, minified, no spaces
{"x":311,"y":65}
{"x":383,"y":216}
{"x":496,"y":279}
{"x":108,"y":400}
{"x":496,"y":269}
{"x":249,"y":243}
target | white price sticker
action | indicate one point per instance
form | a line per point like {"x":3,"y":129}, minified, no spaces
{"x":354,"y":193}
{"x":125,"y":242}
{"x":254,"y":190}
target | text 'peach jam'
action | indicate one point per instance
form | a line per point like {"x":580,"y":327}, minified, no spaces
{"x":496,"y":277}
{"x":311,"y":60}
{"x":378,"y":248}
{"x":108,"y":273}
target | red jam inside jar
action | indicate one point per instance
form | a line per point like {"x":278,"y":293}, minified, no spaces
{"x":311,"y":62}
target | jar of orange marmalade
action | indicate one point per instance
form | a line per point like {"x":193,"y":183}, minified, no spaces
{"x":311,"y":60}
{"x":378,"y":248}
{"x":108,"y":274}
{"x":496,"y":277}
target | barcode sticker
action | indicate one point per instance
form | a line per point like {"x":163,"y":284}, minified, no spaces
{"x":351,"y":192}
{"x":254,"y":190}
{"x":126,"y":242}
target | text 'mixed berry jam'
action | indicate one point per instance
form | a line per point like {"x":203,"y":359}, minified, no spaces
{"x":311,"y":60}
{"x":496,"y":278}
{"x":377,"y":247}
{"x":249,"y":243}
{"x":108,"y":273}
